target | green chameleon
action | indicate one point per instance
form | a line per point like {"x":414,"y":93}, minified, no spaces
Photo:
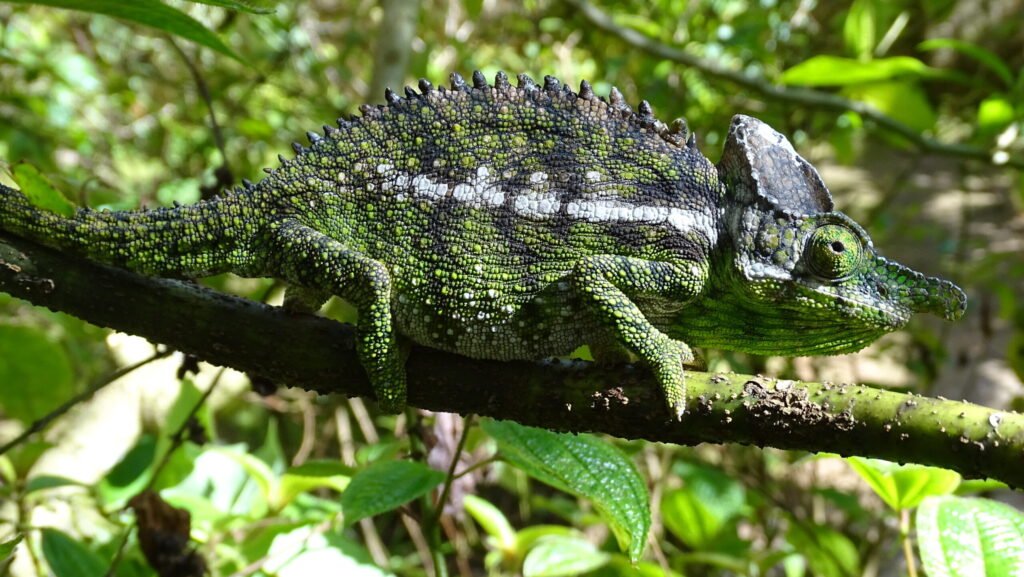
{"x":520,"y":222}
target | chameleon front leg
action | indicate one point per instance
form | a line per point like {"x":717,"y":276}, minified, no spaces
{"x":603,"y":282}
{"x":324,"y":266}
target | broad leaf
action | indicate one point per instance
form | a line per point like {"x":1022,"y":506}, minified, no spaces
{"x":584,"y":466}
{"x":904,"y":486}
{"x":35,"y":373}
{"x":385,"y":486}
{"x":994,"y":114}
{"x":39,"y":190}
{"x":859,"y":28}
{"x":828,"y":552}
{"x":151,"y":13}
{"x":961,"y":537}
{"x":308,"y":552}
{"x":561,"y":556}
{"x":69,"y":558}
{"x":7,"y":547}
{"x":43,"y":482}
{"x":309,"y":476}
{"x":493,"y":522}
{"x":838,"y":71}
{"x":687,"y":517}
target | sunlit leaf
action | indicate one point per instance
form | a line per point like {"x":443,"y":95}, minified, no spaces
{"x":994,"y":114}
{"x":68,"y":557}
{"x":838,"y":71}
{"x":252,"y":6}
{"x":385,"y":486}
{"x":859,"y":28}
{"x":904,"y":486}
{"x":40,"y":191}
{"x":560,"y":556}
{"x":151,"y":13}
{"x":904,"y":101}
{"x":584,"y":466}
{"x":309,"y":476}
{"x":962,"y":537}
{"x":308,"y":552}
{"x":493,"y":522}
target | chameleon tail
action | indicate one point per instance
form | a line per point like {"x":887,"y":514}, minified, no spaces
{"x":187,"y":241}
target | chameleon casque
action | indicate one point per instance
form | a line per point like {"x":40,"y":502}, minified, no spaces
{"x":520,"y":222}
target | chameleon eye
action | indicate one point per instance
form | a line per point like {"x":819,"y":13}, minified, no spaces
{"x":834,"y":251}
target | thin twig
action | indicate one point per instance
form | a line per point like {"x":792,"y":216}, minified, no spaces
{"x":467,"y":424}
{"x":177,"y":438}
{"x":85,"y":395}
{"x":204,"y":93}
{"x":815,"y":98}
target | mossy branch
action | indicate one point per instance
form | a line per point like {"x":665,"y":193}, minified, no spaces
{"x":318,"y":354}
{"x":804,"y":96}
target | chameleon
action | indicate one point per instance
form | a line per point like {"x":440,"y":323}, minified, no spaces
{"x":503,"y":221}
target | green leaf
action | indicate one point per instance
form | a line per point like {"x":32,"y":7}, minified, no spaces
{"x":995,"y":113}
{"x":904,"y":101}
{"x":558,"y":556}
{"x":7,"y":547}
{"x":983,"y":56}
{"x":828,"y":552}
{"x":586,"y":467}
{"x":838,"y":71}
{"x":43,"y":482}
{"x":151,"y":13}
{"x":130,"y":474}
{"x":69,"y":558}
{"x":309,"y":476}
{"x":904,"y":486}
{"x":308,"y":552}
{"x":259,"y":471}
{"x":39,"y":191}
{"x":385,"y":486}
{"x":22,"y":457}
{"x":961,"y":537}
{"x":720,"y":494}
{"x":251,"y":6}
{"x":35,"y":373}
{"x":687,"y":518}
{"x":493,"y":522}
{"x":859,"y":29}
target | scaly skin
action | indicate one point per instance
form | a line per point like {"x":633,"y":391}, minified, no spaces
{"x":521,"y":222}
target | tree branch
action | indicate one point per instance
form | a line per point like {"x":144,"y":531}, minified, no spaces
{"x":814,"y":98}
{"x":318,"y":354}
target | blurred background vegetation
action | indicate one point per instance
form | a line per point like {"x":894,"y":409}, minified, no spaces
{"x":913,"y":111}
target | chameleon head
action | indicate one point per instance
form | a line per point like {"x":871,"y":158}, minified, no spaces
{"x":800,"y":266}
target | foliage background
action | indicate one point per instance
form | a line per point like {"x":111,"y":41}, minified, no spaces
{"x":118,"y":115}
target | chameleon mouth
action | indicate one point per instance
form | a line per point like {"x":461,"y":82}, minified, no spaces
{"x":920,"y":293}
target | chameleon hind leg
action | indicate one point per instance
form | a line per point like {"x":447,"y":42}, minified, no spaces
{"x":603,"y":283}
{"x":325,"y":266}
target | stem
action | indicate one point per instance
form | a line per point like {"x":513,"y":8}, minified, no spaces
{"x":85,"y":395}
{"x":904,"y":535}
{"x":908,"y":546}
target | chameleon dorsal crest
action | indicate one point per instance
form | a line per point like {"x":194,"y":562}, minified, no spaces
{"x":760,"y":163}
